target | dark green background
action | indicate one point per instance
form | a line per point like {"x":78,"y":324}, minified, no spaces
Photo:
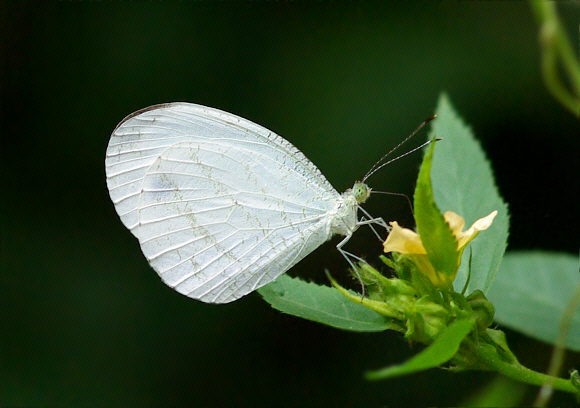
{"x":85,"y":321}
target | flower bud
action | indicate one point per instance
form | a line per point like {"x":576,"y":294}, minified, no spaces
{"x":482,"y":309}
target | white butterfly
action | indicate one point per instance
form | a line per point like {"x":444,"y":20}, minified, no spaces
{"x":221,"y":206}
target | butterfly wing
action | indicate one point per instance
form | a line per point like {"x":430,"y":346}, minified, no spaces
{"x":221,"y":206}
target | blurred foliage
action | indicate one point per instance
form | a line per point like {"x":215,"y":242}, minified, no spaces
{"x":85,"y":321}
{"x":499,"y":392}
{"x":560,"y":65}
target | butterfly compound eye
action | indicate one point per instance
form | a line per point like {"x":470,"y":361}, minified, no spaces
{"x":361,"y":192}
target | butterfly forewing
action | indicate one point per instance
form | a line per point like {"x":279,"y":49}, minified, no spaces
{"x":221,"y":206}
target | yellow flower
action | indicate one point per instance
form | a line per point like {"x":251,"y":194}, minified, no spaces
{"x":408,"y":242}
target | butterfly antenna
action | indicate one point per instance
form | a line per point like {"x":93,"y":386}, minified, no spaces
{"x":428,"y":142}
{"x":396,"y":194}
{"x":378,"y":164}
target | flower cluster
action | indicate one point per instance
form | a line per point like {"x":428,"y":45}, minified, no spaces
{"x":407,"y":242}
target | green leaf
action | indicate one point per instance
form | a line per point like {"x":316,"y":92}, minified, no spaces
{"x":499,"y":392}
{"x":322,"y":304}
{"x":434,"y":231}
{"x":440,"y":351}
{"x":463,"y":182}
{"x":532,"y":291}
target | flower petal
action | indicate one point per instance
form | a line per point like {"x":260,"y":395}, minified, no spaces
{"x":484,"y":223}
{"x":403,"y":240}
{"x":455,"y":222}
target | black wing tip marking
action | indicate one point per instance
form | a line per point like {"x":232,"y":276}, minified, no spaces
{"x":148,"y":109}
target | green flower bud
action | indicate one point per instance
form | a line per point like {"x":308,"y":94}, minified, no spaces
{"x":425,"y":320}
{"x":482,"y":308}
{"x":575,"y":379}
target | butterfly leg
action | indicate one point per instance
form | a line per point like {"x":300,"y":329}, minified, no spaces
{"x":348,"y":256}
{"x":367,"y":219}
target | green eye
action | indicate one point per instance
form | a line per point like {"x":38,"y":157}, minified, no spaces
{"x":361,"y":192}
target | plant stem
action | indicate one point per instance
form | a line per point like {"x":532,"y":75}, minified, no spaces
{"x":555,"y":47}
{"x":488,"y":355}
{"x":560,"y":348}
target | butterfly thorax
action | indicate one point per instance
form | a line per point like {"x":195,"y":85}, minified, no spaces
{"x":344,"y":218}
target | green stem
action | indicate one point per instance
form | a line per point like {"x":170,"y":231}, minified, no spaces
{"x":560,"y":348}
{"x":487,"y":355}
{"x":554,"y":43}
{"x":547,"y":12}
{"x":553,"y":83}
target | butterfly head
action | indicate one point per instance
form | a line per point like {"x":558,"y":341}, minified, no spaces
{"x":361,"y":192}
